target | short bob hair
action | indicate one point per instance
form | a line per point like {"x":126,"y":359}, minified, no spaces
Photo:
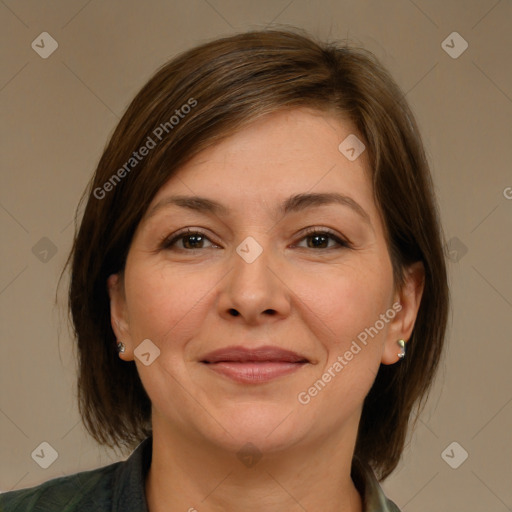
{"x":201,"y":97}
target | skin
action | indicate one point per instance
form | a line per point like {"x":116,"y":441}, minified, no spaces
{"x":295,"y":295}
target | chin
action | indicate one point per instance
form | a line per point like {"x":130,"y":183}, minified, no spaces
{"x":269,"y":428}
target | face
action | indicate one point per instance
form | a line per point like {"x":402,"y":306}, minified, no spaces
{"x":267,"y":317}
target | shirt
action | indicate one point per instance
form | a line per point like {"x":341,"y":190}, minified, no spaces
{"x":120,"y":487}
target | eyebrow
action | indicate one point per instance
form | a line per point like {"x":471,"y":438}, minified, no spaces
{"x":292,"y":204}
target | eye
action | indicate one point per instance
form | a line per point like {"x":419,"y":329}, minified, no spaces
{"x":320,"y":237}
{"x":191,"y":240}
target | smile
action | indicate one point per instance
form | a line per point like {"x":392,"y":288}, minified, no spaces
{"x":254,"y":366}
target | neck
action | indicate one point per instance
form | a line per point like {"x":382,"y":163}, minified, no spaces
{"x":187,"y":475}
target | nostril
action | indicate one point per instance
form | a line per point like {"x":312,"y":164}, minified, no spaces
{"x":234,"y":312}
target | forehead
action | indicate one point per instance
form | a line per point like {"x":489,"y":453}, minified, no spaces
{"x":281,"y":154}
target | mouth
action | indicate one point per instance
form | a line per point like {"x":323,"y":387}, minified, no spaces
{"x":254,"y":366}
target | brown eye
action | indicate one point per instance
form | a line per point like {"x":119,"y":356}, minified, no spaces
{"x":320,"y":239}
{"x":190,"y":240}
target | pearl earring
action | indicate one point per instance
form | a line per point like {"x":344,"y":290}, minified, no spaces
{"x":401,"y":344}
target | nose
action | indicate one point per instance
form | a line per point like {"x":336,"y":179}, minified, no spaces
{"x":254,"y":290}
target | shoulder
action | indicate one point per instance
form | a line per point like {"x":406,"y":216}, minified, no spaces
{"x":84,"y":491}
{"x":119,"y":486}
{"x":374,"y":499}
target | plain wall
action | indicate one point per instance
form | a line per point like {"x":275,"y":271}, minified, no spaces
{"x":59,"y":112}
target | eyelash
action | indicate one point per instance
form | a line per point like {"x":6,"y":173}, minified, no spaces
{"x":169,"y":241}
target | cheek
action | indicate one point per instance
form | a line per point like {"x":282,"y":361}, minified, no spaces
{"x":346,"y":300}
{"x":163,"y":304}
{"x":353,"y":344}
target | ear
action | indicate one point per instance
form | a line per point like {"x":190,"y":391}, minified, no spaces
{"x":119,"y":315}
{"x":409,"y":298}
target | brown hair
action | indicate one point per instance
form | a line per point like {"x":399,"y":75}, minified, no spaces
{"x":227,"y":83}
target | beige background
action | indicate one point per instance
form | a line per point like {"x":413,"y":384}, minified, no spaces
{"x":59,"y":112}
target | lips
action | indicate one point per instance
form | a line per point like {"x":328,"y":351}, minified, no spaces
{"x":254,"y":365}
{"x":244,"y":355}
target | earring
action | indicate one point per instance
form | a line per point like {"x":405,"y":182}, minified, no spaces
{"x":120,"y":347}
{"x":401,"y":344}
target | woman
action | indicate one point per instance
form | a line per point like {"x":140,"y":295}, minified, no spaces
{"x":258,"y":286}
